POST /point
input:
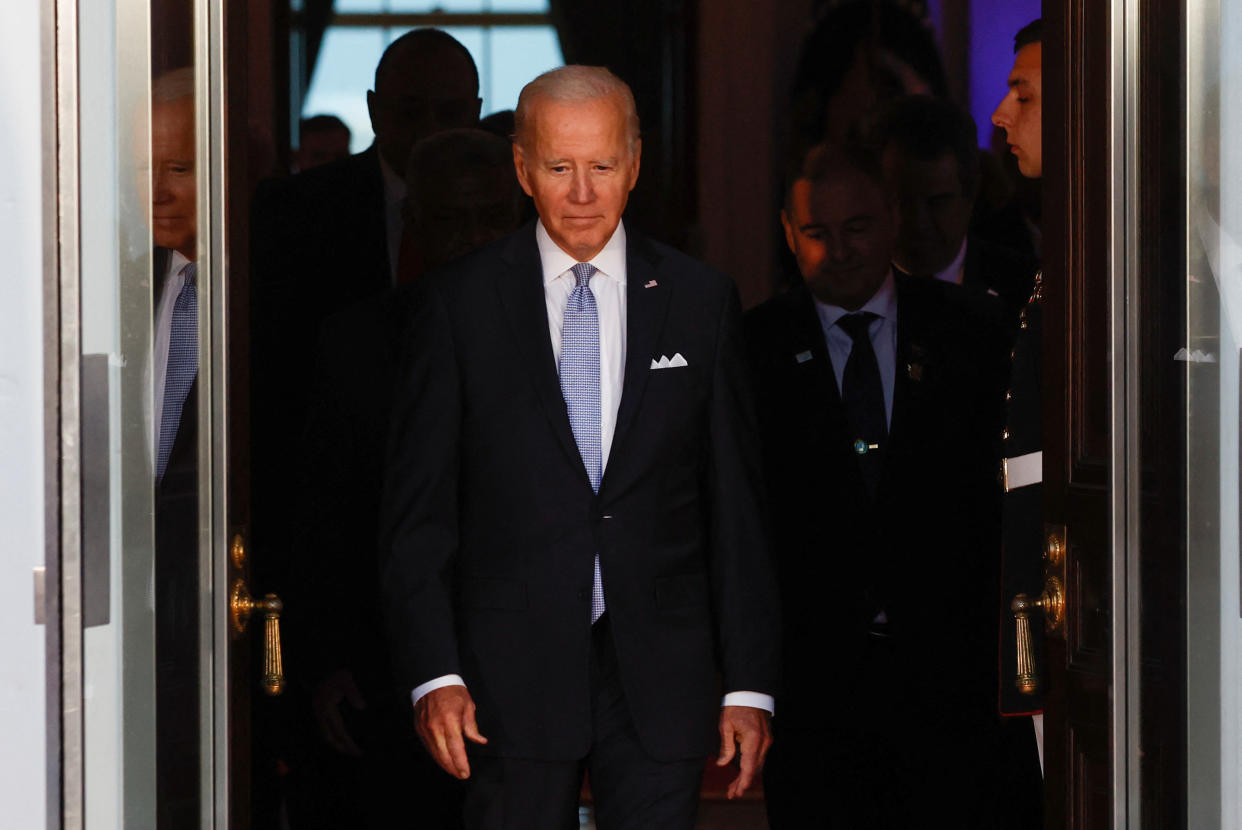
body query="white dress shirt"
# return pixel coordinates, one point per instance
(955, 271)
(395, 190)
(174, 280)
(883, 332)
(608, 285)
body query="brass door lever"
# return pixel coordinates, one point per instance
(1051, 601)
(241, 605)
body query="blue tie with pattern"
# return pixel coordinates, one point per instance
(182, 365)
(579, 370)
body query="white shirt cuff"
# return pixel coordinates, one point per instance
(755, 700)
(437, 683)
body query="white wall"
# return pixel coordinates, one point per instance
(23, 783)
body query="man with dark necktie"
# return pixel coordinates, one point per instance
(878, 403)
(574, 561)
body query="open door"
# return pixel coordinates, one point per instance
(1114, 503)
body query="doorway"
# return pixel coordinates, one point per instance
(1140, 465)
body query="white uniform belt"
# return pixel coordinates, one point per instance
(1023, 470)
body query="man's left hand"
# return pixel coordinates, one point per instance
(747, 729)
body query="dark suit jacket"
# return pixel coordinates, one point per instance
(925, 550)
(989, 266)
(342, 457)
(176, 606)
(491, 526)
(318, 246)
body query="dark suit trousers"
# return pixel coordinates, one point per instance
(894, 764)
(631, 790)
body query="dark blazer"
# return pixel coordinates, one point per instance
(926, 549)
(342, 458)
(176, 605)
(993, 267)
(318, 246)
(491, 526)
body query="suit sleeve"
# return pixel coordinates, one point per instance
(418, 538)
(745, 599)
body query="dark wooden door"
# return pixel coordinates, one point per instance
(1113, 225)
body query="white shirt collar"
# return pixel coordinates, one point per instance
(609, 262)
(953, 273)
(395, 187)
(176, 263)
(883, 304)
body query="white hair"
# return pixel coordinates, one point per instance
(576, 83)
(173, 85)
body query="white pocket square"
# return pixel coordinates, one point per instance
(666, 362)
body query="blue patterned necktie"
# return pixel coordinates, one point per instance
(182, 365)
(579, 370)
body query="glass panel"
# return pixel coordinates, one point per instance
(518, 54)
(1211, 354)
(142, 594)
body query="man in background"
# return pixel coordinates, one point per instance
(325, 239)
(322, 139)
(931, 162)
(879, 405)
(367, 769)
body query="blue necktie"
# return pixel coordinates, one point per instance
(579, 369)
(182, 365)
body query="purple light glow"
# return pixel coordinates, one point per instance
(993, 23)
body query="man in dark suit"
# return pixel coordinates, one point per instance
(368, 769)
(326, 239)
(574, 556)
(931, 162)
(879, 405)
(174, 230)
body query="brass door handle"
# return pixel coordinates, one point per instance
(1051, 601)
(241, 605)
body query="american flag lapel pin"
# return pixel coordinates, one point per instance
(651, 284)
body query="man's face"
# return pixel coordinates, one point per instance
(321, 147)
(452, 214)
(934, 211)
(579, 168)
(842, 232)
(1019, 113)
(422, 92)
(174, 214)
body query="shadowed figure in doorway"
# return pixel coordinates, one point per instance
(174, 376)
(362, 765)
(879, 406)
(931, 159)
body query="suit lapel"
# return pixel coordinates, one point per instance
(646, 311)
(908, 383)
(521, 293)
(809, 352)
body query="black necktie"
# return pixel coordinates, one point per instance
(863, 394)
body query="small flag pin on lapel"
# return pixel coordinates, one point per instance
(651, 284)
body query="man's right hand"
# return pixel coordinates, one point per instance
(443, 716)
